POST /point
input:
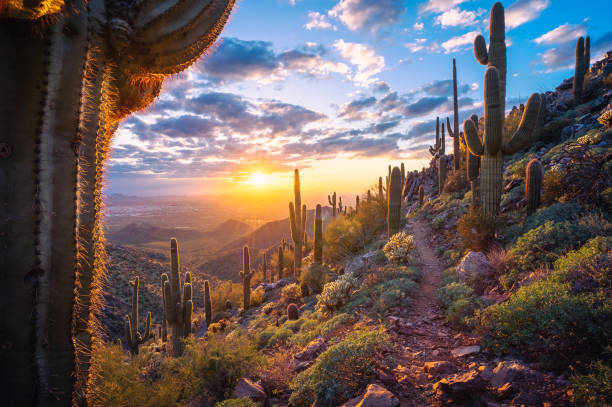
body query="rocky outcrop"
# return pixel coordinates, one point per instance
(250, 389)
(375, 396)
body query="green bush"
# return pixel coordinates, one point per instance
(291, 293)
(544, 321)
(341, 371)
(314, 276)
(458, 300)
(594, 389)
(589, 267)
(452, 292)
(557, 212)
(399, 248)
(393, 293)
(243, 402)
(314, 326)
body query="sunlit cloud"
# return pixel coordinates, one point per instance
(369, 15)
(366, 60)
(524, 11)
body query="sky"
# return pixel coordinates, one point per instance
(337, 88)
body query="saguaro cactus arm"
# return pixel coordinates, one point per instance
(522, 135)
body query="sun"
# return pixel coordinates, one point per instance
(258, 178)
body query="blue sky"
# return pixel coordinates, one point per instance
(338, 88)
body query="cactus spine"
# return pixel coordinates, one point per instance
(395, 202)
(292, 312)
(297, 217)
(533, 185)
(207, 303)
(492, 150)
(473, 168)
(178, 301)
(132, 336)
(246, 274)
(455, 132)
(580, 69)
(332, 202)
(442, 173)
(496, 54)
(421, 195)
(318, 236)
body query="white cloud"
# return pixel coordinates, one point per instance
(318, 21)
(370, 15)
(417, 45)
(562, 34)
(523, 11)
(456, 17)
(438, 6)
(460, 42)
(364, 58)
(418, 26)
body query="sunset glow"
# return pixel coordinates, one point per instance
(258, 179)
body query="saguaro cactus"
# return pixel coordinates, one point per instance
(492, 149)
(281, 262)
(132, 336)
(587, 55)
(207, 303)
(403, 169)
(533, 185)
(341, 208)
(70, 71)
(421, 195)
(495, 56)
(455, 132)
(442, 173)
(394, 210)
(264, 263)
(332, 202)
(318, 236)
(438, 148)
(580, 68)
(178, 301)
(297, 217)
(381, 197)
(246, 274)
(473, 168)
(357, 203)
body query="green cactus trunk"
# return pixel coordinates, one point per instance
(587, 55)
(207, 303)
(579, 71)
(442, 173)
(533, 185)
(455, 132)
(133, 338)
(403, 169)
(381, 197)
(394, 211)
(332, 202)
(318, 236)
(421, 195)
(281, 265)
(297, 218)
(246, 274)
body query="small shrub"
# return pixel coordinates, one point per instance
(439, 221)
(452, 292)
(557, 212)
(257, 296)
(551, 131)
(314, 277)
(552, 186)
(606, 119)
(544, 321)
(341, 371)
(399, 248)
(594, 389)
(243, 402)
(336, 293)
(476, 229)
(393, 293)
(291, 293)
(456, 182)
(589, 267)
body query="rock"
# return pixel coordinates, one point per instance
(375, 396)
(439, 368)
(462, 386)
(311, 350)
(385, 377)
(465, 351)
(250, 389)
(301, 366)
(505, 391)
(472, 266)
(526, 399)
(513, 371)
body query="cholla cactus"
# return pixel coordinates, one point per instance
(394, 210)
(292, 312)
(132, 336)
(399, 248)
(606, 119)
(533, 185)
(245, 275)
(336, 293)
(178, 301)
(492, 149)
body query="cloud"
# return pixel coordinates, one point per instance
(438, 6)
(562, 34)
(364, 58)
(456, 17)
(443, 88)
(381, 87)
(420, 44)
(459, 43)
(523, 11)
(355, 110)
(418, 26)
(318, 21)
(369, 15)
(563, 57)
(424, 105)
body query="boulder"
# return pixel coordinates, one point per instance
(311, 350)
(439, 368)
(462, 386)
(465, 351)
(250, 389)
(472, 266)
(375, 396)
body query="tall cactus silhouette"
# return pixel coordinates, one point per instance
(403, 169)
(438, 148)
(207, 303)
(245, 275)
(495, 56)
(473, 168)
(281, 262)
(583, 58)
(492, 148)
(297, 218)
(341, 208)
(318, 236)
(70, 71)
(132, 336)
(332, 201)
(421, 195)
(394, 210)
(587, 55)
(442, 173)
(381, 197)
(455, 132)
(533, 185)
(178, 301)
(264, 263)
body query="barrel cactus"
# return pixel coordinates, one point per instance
(292, 312)
(245, 275)
(395, 202)
(297, 218)
(318, 236)
(533, 185)
(71, 70)
(492, 149)
(132, 336)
